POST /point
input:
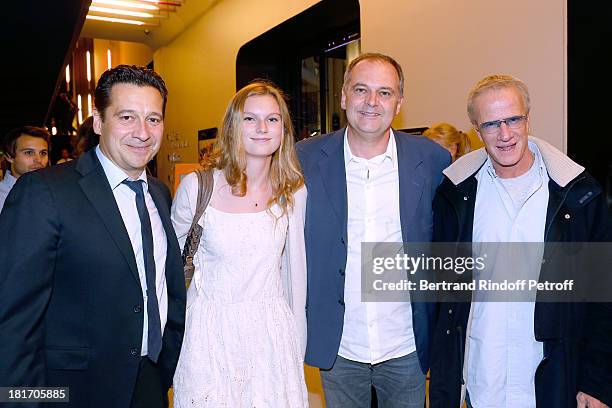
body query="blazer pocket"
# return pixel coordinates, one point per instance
(67, 358)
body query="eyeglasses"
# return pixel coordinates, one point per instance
(493, 127)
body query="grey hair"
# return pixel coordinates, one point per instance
(493, 82)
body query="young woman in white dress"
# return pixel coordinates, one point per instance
(246, 325)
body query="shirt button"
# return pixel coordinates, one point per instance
(567, 216)
(465, 198)
(137, 309)
(341, 302)
(341, 272)
(448, 332)
(134, 351)
(450, 311)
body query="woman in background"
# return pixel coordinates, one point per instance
(246, 324)
(447, 136)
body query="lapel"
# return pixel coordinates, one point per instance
(333, 176)
(411, 182)
(97, 190)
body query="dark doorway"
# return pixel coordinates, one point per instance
(589, 89)
(306, 56)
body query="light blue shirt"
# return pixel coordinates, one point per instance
(502, 353)
(6, 185)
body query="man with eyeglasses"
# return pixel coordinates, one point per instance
(519, 189)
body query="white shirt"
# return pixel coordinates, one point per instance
(126, 201)
(503, 354)
(6, 185)
(374, 331)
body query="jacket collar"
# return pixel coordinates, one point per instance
(561, 169)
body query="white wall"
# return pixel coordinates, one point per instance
(446, 46)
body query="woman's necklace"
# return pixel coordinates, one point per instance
(258, 199)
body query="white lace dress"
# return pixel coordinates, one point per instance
(241, 346)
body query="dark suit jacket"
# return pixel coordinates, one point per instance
(420, 165)
(71, 305)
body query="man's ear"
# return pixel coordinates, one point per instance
(8, 158)
(399, 105)
(343, 100)
(477, 132)
(97, 121)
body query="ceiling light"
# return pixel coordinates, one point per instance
(122, 3)
(88, 64)
(116, 20)
(120, 12)
(80, 111)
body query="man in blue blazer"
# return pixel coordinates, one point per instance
(367, 183)
(91, 281)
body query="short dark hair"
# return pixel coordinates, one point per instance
(375, 56)
(126, 74)
(10, 139)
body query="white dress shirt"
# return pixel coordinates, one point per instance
(126, 201)
(373, 331)
(6, 185)
(503, 354)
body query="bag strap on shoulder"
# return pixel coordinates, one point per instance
(205, 189)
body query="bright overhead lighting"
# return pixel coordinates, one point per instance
(116, 20)
(108, 58)
(122, 3)
(67, 74)
(80, 111)
(88, 63)
(121, 12)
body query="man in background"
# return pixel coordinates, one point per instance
(25, 149)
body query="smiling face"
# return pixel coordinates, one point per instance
(132, 129)
(262, 126)
(508, 148)
(31, 153)
(371, 98)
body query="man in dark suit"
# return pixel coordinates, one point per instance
(367, 183)
(91, 284)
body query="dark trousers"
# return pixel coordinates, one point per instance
(149, 391)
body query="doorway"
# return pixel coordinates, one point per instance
(306, 57)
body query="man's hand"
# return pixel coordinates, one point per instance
(586, 401)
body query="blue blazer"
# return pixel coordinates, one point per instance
(420, 165)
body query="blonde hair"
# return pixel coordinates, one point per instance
(228, 153)
(447, 135)
(494, 82)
